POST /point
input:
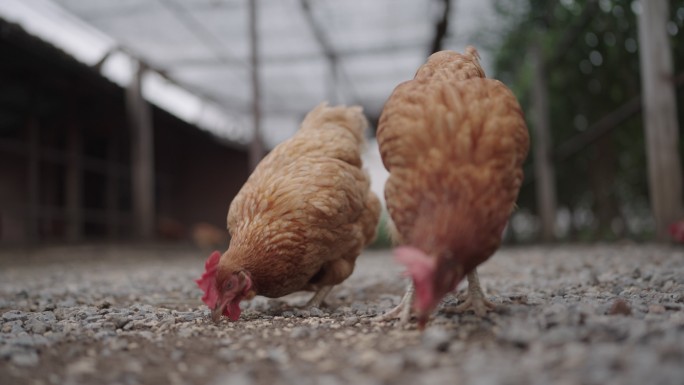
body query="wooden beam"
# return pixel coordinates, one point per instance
(182, 11)
(59, 156)
(543, 164)
(142, 157)
(294, 59)
(112, 194)
(33, 180)
(100, 63)
(334, 96)
(597, 130)
(328, 52)
(660, 115)
(604, 125)
(74, 184)
(256, 148)
(441, 28)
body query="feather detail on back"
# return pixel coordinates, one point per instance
(454, 143)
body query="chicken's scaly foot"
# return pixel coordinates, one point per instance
(318, 298)
(401, 311)
(475, 300)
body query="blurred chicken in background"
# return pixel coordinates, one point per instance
(170, 229)
(208, 237)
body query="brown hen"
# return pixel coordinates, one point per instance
(301, 219)
(454, 143)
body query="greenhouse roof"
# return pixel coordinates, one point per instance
(350, 52)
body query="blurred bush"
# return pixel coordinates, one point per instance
(383, 240)
(591, 51)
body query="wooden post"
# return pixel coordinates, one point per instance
(142, 157)
(660, 115)
(256, 149)
(73, 184)
(543, 165)
(33, 180)
(112, 197)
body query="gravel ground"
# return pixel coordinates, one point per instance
(606, 314)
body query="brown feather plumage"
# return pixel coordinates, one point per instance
(454, 143)
(307, 211)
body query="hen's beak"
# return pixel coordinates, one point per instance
(225, 306)
(217, 312)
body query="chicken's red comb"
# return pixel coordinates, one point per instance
(208, 280)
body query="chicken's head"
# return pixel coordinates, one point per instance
(431, 280)
(224, 288)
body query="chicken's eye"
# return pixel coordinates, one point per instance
(229, 285)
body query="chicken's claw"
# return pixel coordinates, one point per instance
(478, 304)
(475, 299)
(401, 311)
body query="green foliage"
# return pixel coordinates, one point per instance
(383, 240)
(591, 76)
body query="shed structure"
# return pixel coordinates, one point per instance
(65, 154)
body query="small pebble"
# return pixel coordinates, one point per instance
(14, 315)
(36, 326)
(299, 332)
(177, 355)
(656, 309)
(278, 355)
(350, 321)
(25, 359)
(436, 338)
(620, 307)
(316, 312)
(227, 355)
(12, 327)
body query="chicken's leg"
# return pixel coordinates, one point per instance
(320, 295)
(401, 311)
(475, 300)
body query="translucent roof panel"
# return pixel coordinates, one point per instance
(351, 51)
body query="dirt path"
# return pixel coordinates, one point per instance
(131, 315)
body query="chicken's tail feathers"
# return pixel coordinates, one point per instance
(451, 65)
(351, 118)
(472, 52)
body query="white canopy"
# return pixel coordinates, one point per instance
(202, 49)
